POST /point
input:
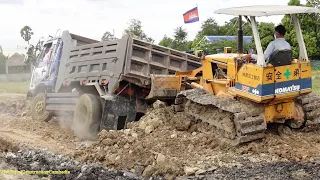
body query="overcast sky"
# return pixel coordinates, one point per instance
(91, 18)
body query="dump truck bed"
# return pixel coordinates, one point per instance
(127, 59)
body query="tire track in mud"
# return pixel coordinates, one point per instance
(27, 139)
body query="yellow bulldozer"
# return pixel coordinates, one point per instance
(238, 97)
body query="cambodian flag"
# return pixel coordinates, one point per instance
(191, 16)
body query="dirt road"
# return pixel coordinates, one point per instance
(165, 144)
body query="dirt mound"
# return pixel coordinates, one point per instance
(156, 145)
(17, 106)
(163, 142)
(300, 145)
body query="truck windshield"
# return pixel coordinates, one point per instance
(45, 55)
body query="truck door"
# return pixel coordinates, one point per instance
(40, 73)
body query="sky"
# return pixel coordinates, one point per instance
(91, 18)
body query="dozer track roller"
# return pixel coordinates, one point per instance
(311, 106)
(233, 121)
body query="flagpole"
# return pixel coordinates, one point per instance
(199, 25)
(198, 15)
(189, 16)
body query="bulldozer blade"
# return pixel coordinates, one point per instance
(164, 86)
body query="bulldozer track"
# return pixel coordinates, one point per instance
(311, 106)
(233, 121)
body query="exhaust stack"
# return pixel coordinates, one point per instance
(240, 36)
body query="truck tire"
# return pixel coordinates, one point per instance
(38, 109)
(87, 117)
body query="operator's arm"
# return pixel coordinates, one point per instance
(268, 51)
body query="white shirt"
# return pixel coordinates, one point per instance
(277, 44)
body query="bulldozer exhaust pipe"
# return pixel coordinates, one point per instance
(240, 36)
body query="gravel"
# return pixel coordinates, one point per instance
(37, 160)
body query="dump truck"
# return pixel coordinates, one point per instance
(104, 85)
(237, 95)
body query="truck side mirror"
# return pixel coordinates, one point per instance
(199, 53)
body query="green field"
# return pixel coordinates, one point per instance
(316, 85)
(14, 87)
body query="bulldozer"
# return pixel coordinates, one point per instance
(238, 97)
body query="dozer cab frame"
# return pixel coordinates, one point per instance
(238, 98)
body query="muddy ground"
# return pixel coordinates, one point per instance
(162, 144)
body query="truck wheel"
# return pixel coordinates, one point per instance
(87, 117)
(38, 108)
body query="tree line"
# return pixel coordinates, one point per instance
(309, 25)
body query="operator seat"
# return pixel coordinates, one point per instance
(280, 58)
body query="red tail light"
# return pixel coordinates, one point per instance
(66, 83)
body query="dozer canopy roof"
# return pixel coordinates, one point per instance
(266, 10)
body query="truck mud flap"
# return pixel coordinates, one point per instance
(118, 113)
(164, 86)
(61, 101)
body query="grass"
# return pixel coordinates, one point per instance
(14, 87)
(316, 72)
(316, 86)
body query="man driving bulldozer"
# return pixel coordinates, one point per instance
(278, 44)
